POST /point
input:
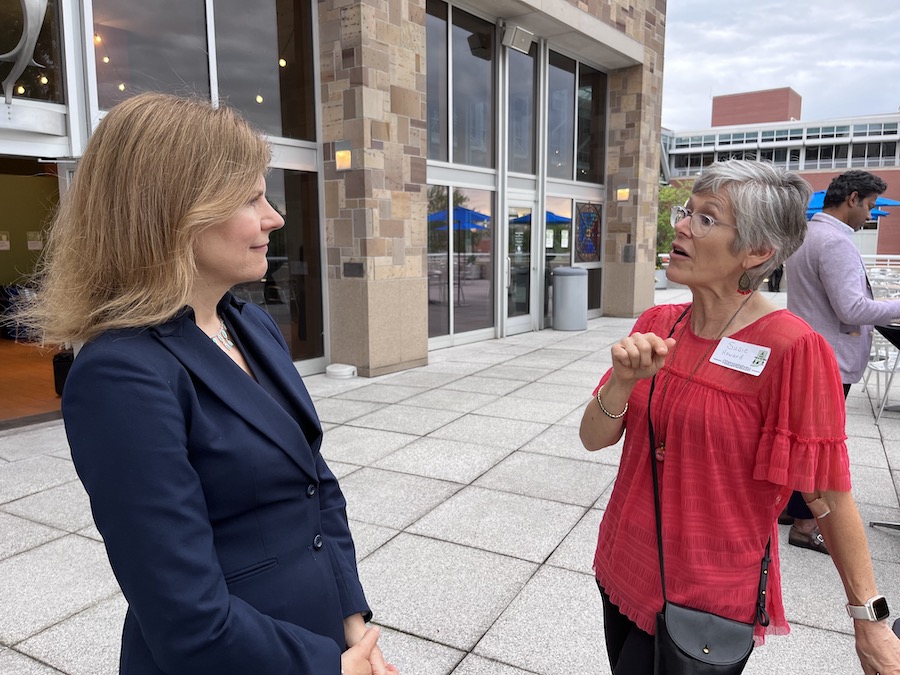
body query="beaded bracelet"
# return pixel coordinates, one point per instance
(609, 414)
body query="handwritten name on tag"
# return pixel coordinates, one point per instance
(741, 356)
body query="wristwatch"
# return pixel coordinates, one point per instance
(875, 609)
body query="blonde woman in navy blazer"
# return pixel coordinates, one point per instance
(190, 428)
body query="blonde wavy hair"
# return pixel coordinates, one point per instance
(158, 171)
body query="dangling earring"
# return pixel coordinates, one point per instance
(744, 284)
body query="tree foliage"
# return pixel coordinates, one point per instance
(669, 196)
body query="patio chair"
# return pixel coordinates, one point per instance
(883, 363)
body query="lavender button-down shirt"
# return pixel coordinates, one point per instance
(828, 288)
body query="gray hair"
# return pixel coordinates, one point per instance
(769, 206)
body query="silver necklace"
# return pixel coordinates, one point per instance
(221, 336)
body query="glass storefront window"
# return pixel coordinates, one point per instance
(473, 90)
(521, 109)
(156, 46)
(265, 65)
(436, 59)
(38, 84)
(560, 116)
(591, 125)
(291, 291)
(460, 261)
(557, 243)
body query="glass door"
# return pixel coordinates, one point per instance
(519, 264)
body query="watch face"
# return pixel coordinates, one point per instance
(880, 607)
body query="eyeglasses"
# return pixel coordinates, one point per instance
(701, 224)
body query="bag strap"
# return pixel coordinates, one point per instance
(762, 616)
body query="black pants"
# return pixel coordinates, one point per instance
(797, 507)
(630, 649)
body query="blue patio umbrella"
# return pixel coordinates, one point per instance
(463, 219)
(551, 219)
(817, 201)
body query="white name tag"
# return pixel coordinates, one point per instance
(741, 356)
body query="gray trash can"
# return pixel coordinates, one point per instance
(570, 292)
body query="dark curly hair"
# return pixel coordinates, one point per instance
(861, 182)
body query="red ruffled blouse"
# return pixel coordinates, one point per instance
(736, 446)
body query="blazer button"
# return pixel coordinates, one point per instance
(318, 542)
(311, 491)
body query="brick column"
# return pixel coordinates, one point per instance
(373, 97)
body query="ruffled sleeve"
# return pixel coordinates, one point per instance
(803, 441)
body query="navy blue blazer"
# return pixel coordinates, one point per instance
(224, 527)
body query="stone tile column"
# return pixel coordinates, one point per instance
(635, 111)
(373, 98)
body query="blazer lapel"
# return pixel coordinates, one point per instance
(234, 388)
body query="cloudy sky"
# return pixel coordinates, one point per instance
(843, 58)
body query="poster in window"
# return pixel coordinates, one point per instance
(587, 233)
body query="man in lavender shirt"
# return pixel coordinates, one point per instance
(828, 287)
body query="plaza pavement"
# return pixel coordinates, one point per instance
(475, 512)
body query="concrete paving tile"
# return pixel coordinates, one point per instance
(440, 591)
(514, 525)
(806, 651)
(884, 543)
(449, 399)
(28, 476)
(32, 441)
(485, 385)
(392, 499)
(520, 373)
(563, 441)
(85, 644)
(873, 486)
(357, 445)
(14, 663)
(812, 590)
(476, 665)
(408, 419)
(443, 459)
(321, 385)
(505, 433)
(18, 535)
(583, 379)
(341, 469)
(342, 410)
(553, 478)
(543, 391)
(417, 656)
(90, 532)
(368, 537)
(527, 409)
(866, 452)
(381, 393)
(419, 378)
(544, 358)
(460, 368)
(65, 507)
(44, 585)
(555, 625)
(573, 419)
(861, 426)
(576, 551)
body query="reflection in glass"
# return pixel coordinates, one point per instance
(519, 291)
(473, 90)
(521, 109)
(557, 243)
(436, 57)
(37, 84)
(291, 291)
(149, 46)
(560, 116)
(460, 261)
(265, 64)
(591, 124)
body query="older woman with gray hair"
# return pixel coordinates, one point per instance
(737, 403)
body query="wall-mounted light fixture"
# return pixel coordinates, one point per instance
(343, 155)
(623, 192)
(517, 38)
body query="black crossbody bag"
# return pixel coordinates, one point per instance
(690, 641)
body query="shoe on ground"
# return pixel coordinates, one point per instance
(812, 540)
